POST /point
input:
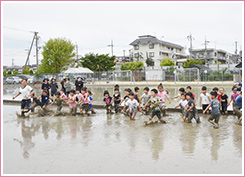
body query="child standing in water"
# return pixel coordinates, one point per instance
(44, 99)
(84, 101)
(107, 100)
(223, 101)
(145, 98)
(63, 95)
(218, 95)
(72, 102)
(137, 94)
(58, 101)
(204, 99)
(181, 91)
(133, 105)
(188, 90)
(155, 106)
(238, 107)
(162, 94)
(116, 99)
(182, 104)
(190, 108)
(233, 99)
(214, 104)
(90, 101)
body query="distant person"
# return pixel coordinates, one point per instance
(26, 91)
(63, 84)
(233, 99)
(191, 108)
(45, 85)
(181, 91)
(215, 114)
(238, 107)
(137, 94)
(67, 86)
(189, 89)
(54, 87)
(144, 100)
(107, 102)
(182, 104)
(218, 95)
(162, 94)
(79, 83)
(116, 98)
(44, 99)
(72, 102)
(224, 100)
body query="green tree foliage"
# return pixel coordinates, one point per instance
(190, 62)
(138, 65)
(167, 62)
(27, 70)
(149, 62)
(4, 72)
(9, 73)
(57, 53)
(15, 72)
(31, 72)
(96, 62)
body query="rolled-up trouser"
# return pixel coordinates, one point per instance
(190, 116)
(214, 117)
(238, 112)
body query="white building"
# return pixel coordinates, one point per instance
(148, 46)
(213, 56)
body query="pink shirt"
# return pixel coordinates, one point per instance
(72, 104)
(162, 95)
(84, 98)
(63, 96)
(233, 96)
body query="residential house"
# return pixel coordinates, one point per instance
(148, 46)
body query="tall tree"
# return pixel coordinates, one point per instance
(138, 65)
(57, 53)
(190, 62)
(167, 62)
(96, 62)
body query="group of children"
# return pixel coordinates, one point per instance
(217, 100)
(151, 102)
(76, 99)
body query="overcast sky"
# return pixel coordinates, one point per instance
(92, 25)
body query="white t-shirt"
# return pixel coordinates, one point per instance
(132, 105)
(183, 103)
(205, 97)
(145, 98)
(25, 91)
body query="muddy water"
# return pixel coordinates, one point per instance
(113, 144)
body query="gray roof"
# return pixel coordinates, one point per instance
(200, 67)
(153, 40)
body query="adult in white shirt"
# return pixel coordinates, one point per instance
(26, 91)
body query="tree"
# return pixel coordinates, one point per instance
(96, 62)
(9, 73)
(57, 53)
(4, 72)
(190, 62)
(167, 62)
(31, 72)
(27, 70)
(15, 72)
(138, 65)
(149, 62)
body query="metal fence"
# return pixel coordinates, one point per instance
(170, 75)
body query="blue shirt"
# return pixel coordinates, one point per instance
(45, 99)
(239, 102)
(189, 103)
(215, 106)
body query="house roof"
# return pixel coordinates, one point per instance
(152, 39)
(200, 67)
(209, 49)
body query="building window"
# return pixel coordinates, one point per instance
(151, 54)
(215, 54)
(201, 55)
(172, 49)
(168, 48)
(136, 47)
(151, 46)
(160, 53)
(136, 55)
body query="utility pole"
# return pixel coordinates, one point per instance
(111, 47)
(37, 38)
(12, 62)
(124, 54)
(236, 51)
(190, 38)
(29, 52)
(206, 43)
(77, 51)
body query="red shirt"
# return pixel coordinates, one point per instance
(218, 97)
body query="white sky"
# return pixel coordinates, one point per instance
(92, 25)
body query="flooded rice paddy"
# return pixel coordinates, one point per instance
(114, 144)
